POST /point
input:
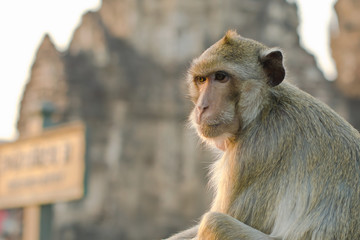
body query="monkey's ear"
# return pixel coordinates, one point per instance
(272, 62)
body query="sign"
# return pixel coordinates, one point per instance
(43, 169)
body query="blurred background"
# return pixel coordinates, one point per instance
(121, 71)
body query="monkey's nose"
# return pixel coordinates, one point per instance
(200, 110)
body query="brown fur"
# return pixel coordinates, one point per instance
(290, 167)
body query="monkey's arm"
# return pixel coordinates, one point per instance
(217, 226)
(185, 235)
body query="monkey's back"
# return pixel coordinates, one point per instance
(306, 152)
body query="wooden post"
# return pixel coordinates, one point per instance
(37, 220)
(31, 222)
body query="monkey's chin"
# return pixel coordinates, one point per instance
(210, 131)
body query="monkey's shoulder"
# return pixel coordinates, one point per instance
(291, 103)
(294, 118)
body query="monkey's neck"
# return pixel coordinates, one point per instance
(224, 179)
(223, 142)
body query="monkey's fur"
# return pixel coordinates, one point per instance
(290, 167)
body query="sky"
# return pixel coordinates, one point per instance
(23, 24)
(314, 31)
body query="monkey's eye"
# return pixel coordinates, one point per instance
(200, 79)
(221, 76)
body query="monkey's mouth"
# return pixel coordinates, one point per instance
(214, 125)
(209, 125)
(210, 130)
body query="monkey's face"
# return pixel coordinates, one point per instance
(229, 84)
(215, 105)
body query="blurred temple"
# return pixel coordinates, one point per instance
(345, 46)
(123, 75)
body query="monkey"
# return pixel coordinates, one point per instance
(290, 165)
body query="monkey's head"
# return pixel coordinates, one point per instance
(229, 84)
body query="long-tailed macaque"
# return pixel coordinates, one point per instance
(290, 167)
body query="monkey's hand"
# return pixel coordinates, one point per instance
(189, 234)
(219, 226)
